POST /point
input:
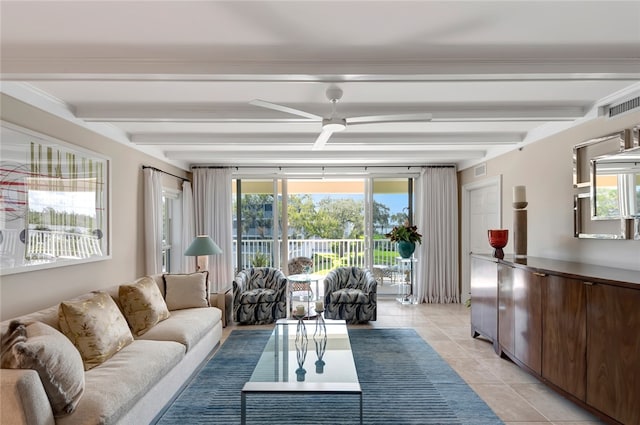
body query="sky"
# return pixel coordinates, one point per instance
(395, 202)
(82, 203)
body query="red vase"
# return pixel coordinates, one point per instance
(498, 239)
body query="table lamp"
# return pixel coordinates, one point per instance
(201, 247)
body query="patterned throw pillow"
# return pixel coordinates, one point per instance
(186, 290)
(15, 333)
(59, 365)
(95, 326)
(142, 305)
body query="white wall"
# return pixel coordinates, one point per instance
(546, 169)
(25, 292)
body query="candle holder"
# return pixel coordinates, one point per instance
(301, 348)
(320, 339)
(321, 326)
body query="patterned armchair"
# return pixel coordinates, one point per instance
(259, 296)
(350, 293)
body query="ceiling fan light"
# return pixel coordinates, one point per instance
(334, 124)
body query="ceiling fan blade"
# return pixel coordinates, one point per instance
(282, 108)
(389, 118)
(322, 140)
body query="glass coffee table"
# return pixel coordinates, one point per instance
(302, 357)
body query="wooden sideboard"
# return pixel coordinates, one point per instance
(574, 326)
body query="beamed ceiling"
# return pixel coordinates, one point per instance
(177, 79)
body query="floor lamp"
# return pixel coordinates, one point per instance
(201, 247)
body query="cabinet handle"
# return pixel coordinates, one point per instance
(588, 283)
(539, 274)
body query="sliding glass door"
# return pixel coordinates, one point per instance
(326, 222)
(335, 222)
(256, 223)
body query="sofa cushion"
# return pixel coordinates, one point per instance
(186, 326)
(259, 295)
(53, 356)
(187, 290)
(142, 305)
(349, 296)
(95, 325)
(115, 386)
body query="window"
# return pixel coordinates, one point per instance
(323, 219)
(170, 204)
(255, 224)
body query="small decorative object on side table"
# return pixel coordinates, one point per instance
(406, 236)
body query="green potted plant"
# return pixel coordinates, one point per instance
(406, 236)
(260, 259)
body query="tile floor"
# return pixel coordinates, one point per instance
(514, 395)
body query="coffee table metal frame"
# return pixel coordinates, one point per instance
(299, 387)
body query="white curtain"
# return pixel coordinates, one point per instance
(213, 211)
(437, 219)
(152, 221)
(188, 233)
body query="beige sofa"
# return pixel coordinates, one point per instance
(133, 386)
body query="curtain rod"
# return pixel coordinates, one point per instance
(365, 167)
(165, 172)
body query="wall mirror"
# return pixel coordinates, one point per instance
(606, 187)
(616, 185)
(54, 202)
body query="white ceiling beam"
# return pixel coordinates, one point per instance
(221, 112)
(289, 141)
(15, 67)
(324, 157)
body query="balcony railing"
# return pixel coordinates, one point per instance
(46, 245)
(326, 253)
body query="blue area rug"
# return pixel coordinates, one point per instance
(403, 380)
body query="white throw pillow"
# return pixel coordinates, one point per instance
(187, 290)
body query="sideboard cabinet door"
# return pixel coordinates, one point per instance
(527, 298)
(564, 330)
(506, 310)
(613, 352)
(484, 299)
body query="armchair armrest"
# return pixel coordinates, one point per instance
(370, 283)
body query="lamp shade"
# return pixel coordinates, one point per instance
(202, 245)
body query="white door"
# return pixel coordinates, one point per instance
(481, 211)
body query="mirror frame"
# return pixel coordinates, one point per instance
(593, 227)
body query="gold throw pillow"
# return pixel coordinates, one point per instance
(142, 305)
(95, 325)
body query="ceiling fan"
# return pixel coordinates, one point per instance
(335, 122)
